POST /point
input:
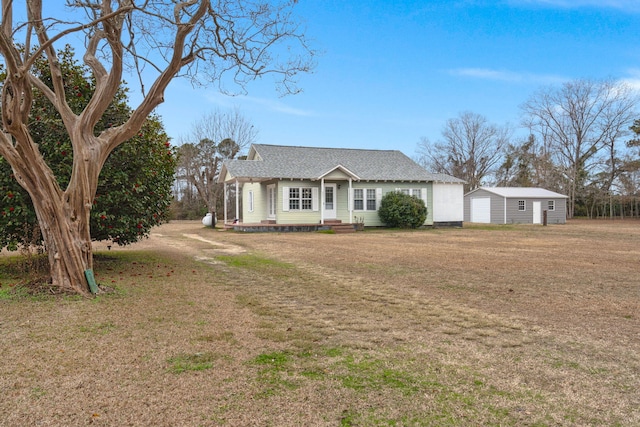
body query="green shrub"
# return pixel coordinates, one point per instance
(402, 210)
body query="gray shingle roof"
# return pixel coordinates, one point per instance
(286, 162)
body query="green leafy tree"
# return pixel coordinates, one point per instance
(401, 210)
(227, 43)
(134, 188)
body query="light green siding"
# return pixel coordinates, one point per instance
(259, 203)
(299, 216)
(371, 218)
(345, 212)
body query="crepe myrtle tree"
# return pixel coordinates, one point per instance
(134, 188)
(228, 42)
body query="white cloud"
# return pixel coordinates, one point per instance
(631, 6)
(264, 103)
(632, 80)
(507, 76)
(278, 106)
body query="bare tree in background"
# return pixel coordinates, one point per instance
(580, 120)
(471, 149)
(228, 43)
(222, 136)
(528, 164)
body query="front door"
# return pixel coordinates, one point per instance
(329, 202)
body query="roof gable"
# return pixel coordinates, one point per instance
(340, 171)
(286, 162)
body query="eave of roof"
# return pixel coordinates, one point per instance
(522, 192)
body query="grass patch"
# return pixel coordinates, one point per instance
(275, 375)
(22, 275)
(252, 262)
(191, 362)
(491, 227)
(326, 232)
(371, 374)
(276, 361)
(98, 328)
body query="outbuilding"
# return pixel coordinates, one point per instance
(514, 205)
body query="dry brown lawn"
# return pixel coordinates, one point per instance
(509, 325)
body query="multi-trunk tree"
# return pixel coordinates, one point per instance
(134, 188)
(230, 42)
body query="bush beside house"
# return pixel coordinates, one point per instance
(400, 210)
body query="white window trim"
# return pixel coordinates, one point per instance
(378, 195)
(551, 205)
(251, 201)
(314, 199)
(410, 191)
(524, 206)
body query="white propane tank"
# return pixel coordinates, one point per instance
(207, 221)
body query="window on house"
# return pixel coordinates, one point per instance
(521, 205)
(250, 201)
(552, 205)
(358, 199)
(294, 198)
(371, 199)
(417, 192)
(306, 199)
(300, 198)
(365, 199)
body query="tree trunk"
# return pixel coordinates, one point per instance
(68, 245)
(63, 216)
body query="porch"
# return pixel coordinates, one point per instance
(269, 226)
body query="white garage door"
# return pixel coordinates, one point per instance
(481, 210)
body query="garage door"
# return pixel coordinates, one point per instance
(481, 210)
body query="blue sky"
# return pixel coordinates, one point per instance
(392, 72)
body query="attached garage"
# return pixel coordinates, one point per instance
(514, 205)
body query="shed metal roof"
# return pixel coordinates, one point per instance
(293, 162)
(522, 192)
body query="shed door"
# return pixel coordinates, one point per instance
(481, 210)
(537, 213)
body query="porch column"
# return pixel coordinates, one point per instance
(322, 200)
(350, 201)
(224, 192)
(237, 201)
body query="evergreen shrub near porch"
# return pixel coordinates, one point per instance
(401, 210)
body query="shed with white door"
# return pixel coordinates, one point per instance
(514, 205)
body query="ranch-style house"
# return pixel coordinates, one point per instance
(311, 185)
